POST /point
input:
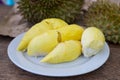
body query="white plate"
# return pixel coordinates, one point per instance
(79, 66)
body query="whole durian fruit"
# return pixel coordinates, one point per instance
(36, 10)
(106, 16)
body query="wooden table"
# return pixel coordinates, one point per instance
(8, 71)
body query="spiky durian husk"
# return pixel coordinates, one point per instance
(36, 10)
(106, 16)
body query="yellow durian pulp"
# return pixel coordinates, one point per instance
(71, 32)
(56, 22)
(43, 44)
(33, 32)
(64, 52)
(92, 41)
(38, 29)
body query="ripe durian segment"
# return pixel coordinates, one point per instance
(71, 32)
(43, 44)
(105, 16)
(36, 10)
(92, 41)
(55, 22)
(39, 28)
(36, 30)
(64, 52)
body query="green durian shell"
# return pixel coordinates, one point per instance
(36, 10)
(106, 16)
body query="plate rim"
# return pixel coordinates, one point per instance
(50, 75)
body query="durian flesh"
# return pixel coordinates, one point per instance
(55, 22)
(64, 52)
(71, 32)
(38, 29)
(43, 44)
(31, 33)
(92, 41)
